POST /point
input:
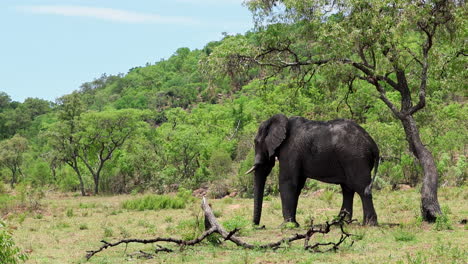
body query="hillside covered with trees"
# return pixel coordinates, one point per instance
(190, 120)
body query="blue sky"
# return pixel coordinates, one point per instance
(48, 48)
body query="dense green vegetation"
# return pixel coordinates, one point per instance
(188, 122)
(178, 126)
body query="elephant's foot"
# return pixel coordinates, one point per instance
(259, 227)
(370, 220)
(348, 216)
(290, 223)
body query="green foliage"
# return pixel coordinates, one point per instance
(245, 181)
(189, 229)
(239, 222)
(191, 118)
(443, 221)
(108, 232)
(288, 225)
(39, 173)
(11, 156)
(185, 194)
(30, 197)
(67, 180)
(220, 164)
(69, 212)
(9, 252)
(124, 232)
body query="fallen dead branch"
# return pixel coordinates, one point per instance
(212, 226)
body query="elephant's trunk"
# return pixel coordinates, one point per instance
(259, 186)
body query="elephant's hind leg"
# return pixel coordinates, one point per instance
(370, 216)
(347, 206)
(358, 174)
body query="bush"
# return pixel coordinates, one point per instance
(190, 229)
(40, 173)
(9, 252)
(443, 221)
(30, 197)
(238, 222)
(108, 232)
(220, 164)
(69, 212)
(244, 183)
(158, 202)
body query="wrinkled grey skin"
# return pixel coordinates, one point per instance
(337, 152)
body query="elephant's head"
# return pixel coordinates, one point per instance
(270, 135)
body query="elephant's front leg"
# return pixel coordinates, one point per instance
(290, 186)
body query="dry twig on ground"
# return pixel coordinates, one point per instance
(212, 226)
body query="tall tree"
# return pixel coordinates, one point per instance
(390, 45)
(63, 136)
(101, 133)
(11, 155)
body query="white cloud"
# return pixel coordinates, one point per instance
(108, 14)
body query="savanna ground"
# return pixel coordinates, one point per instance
(68, 225)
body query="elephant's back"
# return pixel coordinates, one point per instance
(352, 142)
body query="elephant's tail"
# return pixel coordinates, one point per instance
(368, 190)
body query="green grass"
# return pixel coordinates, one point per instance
(57, 238)
(6, 201)
(155, 202)
(403, 235)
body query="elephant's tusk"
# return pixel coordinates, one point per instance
(251, 169)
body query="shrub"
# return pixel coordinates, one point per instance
(288, 225)
(220, 164)
(158, 202)
(9, 252)
(443, 221)
(244, 183)
(69, 212)
(29, 197)
(108, 232)
(218, 190)
(238, 222)
(189, 229)
(124, 232)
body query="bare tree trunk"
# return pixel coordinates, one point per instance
(74, 166)
(13, 178)
(96, 183)
(430, 207)
(82, 189)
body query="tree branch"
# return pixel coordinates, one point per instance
(212, 225)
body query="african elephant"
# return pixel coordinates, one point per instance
(337, 152)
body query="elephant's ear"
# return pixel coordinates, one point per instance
(276, 133)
